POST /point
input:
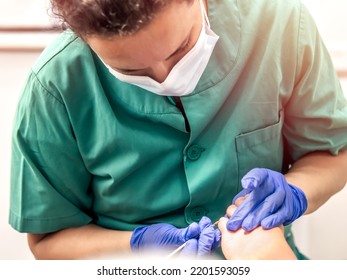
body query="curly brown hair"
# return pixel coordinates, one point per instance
(106, 17)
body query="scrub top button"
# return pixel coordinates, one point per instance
(194, 152)
(197, 213)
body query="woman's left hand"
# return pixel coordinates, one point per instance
(270, 201)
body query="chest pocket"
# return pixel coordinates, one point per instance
(260, 148)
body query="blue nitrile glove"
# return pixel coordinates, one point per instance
(271, 201)
(190, 250)
(161, 236)
(209, 238)
(206, 244)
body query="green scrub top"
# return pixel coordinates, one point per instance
(88, 148)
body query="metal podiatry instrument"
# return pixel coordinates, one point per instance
(180, 248)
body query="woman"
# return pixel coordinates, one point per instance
(145, 116)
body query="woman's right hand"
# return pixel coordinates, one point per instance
(203, 238)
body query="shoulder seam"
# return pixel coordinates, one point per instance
(43, 65)
(46, 90)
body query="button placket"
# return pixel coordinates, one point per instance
(197, 213)
(194, 152)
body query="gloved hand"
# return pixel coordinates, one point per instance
(206, 244)
(159, 236)
(271, 201)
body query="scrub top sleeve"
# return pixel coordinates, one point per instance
(316, 113)
(49, 182)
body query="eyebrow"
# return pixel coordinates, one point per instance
(171, 55)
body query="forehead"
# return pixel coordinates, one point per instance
(156, 41)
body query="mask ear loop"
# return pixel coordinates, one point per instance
(204, 12)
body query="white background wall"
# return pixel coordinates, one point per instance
(321, 235)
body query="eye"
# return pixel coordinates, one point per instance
(185, 47)
(129, 71)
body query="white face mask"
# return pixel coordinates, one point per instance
(185, 75)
